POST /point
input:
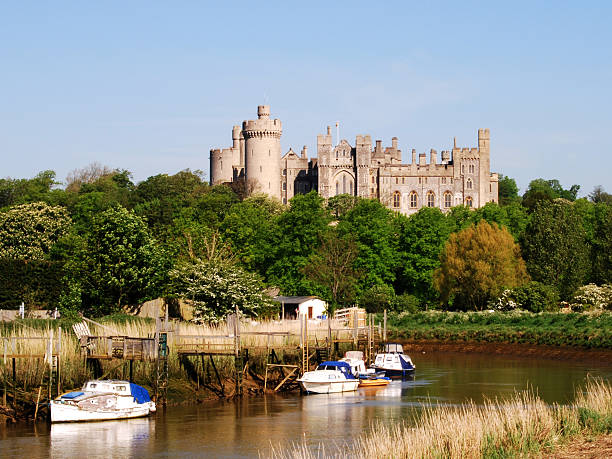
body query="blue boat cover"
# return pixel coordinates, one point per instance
(71, 395)
(140, 394)
(335, 363)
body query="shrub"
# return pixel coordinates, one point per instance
(536, 297)
(406, 303)
(592, 296)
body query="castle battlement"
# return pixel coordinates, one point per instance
(456, 176)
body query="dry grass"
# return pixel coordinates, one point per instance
(521, 426)
(30, 372)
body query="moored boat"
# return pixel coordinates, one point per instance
(329, 377)
(393, 361)
(374, 381)
(102, 400)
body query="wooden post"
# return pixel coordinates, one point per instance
(282, 311)
(50, 355)
(355, 327)
(385, 326)
(306, 342)
(59, 354)
(131, 370)
(329, 336)
(237, 359)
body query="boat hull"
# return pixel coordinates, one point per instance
(62, 412)
(329, 387)
(396, 373)
(378, 382)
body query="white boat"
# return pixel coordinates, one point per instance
(357, 364)
(393, 361)
(102, 400)
(329, 377)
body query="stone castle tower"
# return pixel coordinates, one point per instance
(460, 176)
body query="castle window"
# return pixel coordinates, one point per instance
(463, 169)
(351, 187)
(337, 188)
(372, 179)
(344, 184)
(471, 168)
(403, 180)
(425, 180)
(468, 201)
(284, 186)
(468, 184)
(284, 171)
(451, 180)
(396, 199)
(413, 200)
(490, 188)
(443, 180)
(419, 180)
(396, 180)
(431, 199)
(284, 200)
(447, 199)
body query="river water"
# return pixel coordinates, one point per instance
(249, 427)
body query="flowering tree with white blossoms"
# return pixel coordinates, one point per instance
(216, 287)
(28, 231)
(592, 296)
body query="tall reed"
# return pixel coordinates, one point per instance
(519, 426)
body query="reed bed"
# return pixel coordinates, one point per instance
(521, 426)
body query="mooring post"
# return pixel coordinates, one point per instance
(355, 327)
(385, 326)
(329, 336)
(237, 359)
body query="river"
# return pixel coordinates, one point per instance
(249, 427)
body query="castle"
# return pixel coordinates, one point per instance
(459, 176)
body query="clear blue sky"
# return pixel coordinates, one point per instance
(151, 86)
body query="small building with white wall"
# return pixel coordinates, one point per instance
(294, 306)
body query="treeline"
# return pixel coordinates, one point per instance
(101, 242)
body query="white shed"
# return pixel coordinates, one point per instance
(309, 306)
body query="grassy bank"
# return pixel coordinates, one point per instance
(588, 330)
(521, 426)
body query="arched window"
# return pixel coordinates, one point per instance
(468, 201)
(344, 184)
(337, 188)
(413, 200)
(448, 199)
(468, 184)
(431, 199)
(285, 186)
(396, 199)
(350, 187)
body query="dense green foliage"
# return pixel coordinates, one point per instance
(103, 242)
(551, 328)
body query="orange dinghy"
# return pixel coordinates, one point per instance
(374, 382)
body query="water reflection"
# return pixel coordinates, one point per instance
(248, 427)
(126, 438)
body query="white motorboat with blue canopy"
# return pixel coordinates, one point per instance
(329, 377)
(102, 400)
(393, 361)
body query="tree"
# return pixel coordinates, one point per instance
(28, 231)
(513, 216)
(421, 239)
(295, 238)
(118, 263)
(377, 298)
(216, 287)
(555, 248)
(88, 174)
(250, 227)
(22, 191)
(341, 204)
(547, 190)
(374, 229)
(507, 190)
(331, 266)
(476, 264)
(600, 196)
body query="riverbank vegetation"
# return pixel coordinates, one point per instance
(521, 426)
(587, 330)
(100, 242)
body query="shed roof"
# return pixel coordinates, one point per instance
(294, 299)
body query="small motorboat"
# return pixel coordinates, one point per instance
(329, 377)
(374, 381)
(393, 361)
(357, 364)
(102, 400)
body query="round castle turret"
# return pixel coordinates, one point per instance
(262, 152)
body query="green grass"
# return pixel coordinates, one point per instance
(588, 330)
